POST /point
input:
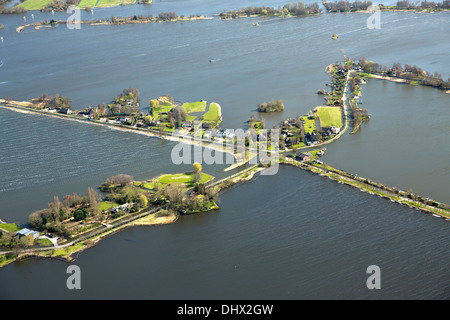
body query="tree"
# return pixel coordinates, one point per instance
(26, 241)
(92, 196)
(197, 167)
(80, 214)
(148, 119)
(143, 200)
(154, 103)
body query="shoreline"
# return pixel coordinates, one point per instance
(41, 24)
(358, 183)
(69, 251)
(66, 252)
(22, 108)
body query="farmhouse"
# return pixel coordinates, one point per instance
(25, 232)
(304, 156)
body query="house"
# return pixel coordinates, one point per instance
(123, 207)
(334, 129)
(65, 111)
(25, 232)
(206, 125)
(304, 156)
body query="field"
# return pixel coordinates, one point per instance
(182, 178)
(87, 3)
(310, 124)
(35, 4)
(10, 227)
(125, 2)
(214, 113)
(329, 116)
(162, 108)
(199, 106)
(107, 3)
(106, 205)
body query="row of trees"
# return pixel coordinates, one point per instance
(295, 9)
(55, 102)
(423, 5)
(345, 6)
(408, 72)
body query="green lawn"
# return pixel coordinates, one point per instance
(34, 4)
(214, 113)
(199, 106)
(106, 205)
(162, 108)
(87, 3)
(310, 124)
(107, 3)
(145, 184)
(329, 116)
(10, 227)
(182, 178)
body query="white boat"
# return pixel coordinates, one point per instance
(435, 215)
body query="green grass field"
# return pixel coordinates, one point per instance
(87, 3)
(214, 113)
(10, 227)
(310, 124)
(125, 2)
(162, 108)
(107, 3)
(31, 5)
(182, 178)
(199, 106)
(329, 116)
(106, 205)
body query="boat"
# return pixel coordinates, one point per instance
(435, 215)
(334, 36)
(256, 24)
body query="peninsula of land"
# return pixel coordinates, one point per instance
(76, 223)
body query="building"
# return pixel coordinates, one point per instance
(25, 232)
(304, 156)
(125, 207)
(335, 130)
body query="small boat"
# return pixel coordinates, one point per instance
(435, 215)
(256, 24)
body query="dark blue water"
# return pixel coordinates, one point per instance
(289, 236)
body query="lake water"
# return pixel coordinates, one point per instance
(293, 235)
